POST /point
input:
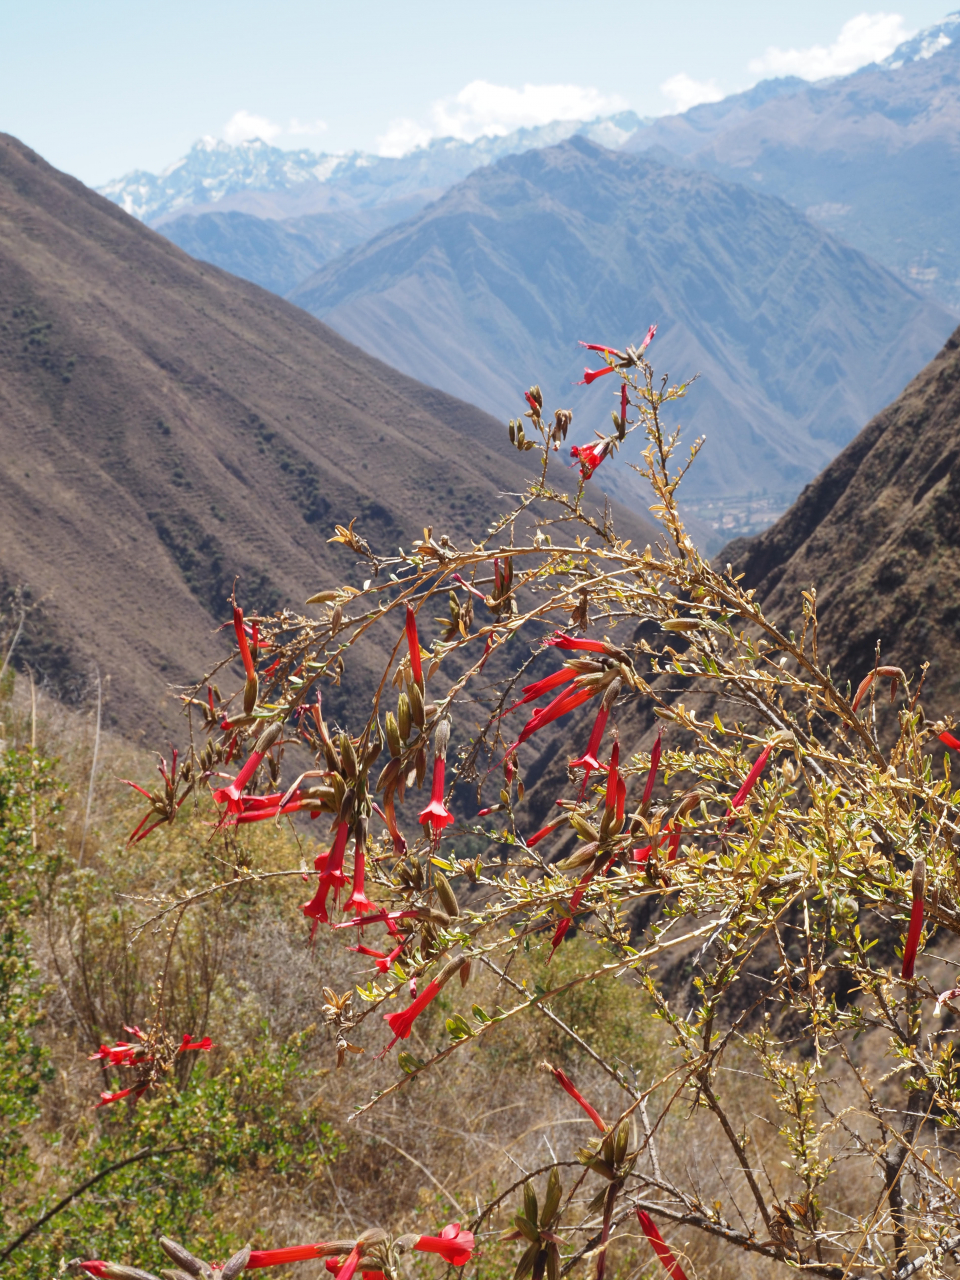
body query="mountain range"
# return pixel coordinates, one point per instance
(798, 338)
(166, 429)
(873, 157)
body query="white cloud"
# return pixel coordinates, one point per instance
(308, 128)
(242, 126)
(683, 92)
(483, 109)
(868, 37)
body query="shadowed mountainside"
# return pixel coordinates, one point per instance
(878, 534)
(165, 428)
(799, 339)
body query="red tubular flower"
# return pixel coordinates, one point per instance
(204, 1045)
(566, 1083)
(610, 351)
(385, 917)
(559, 640)
(750, 781)
(543, 833)
(120, 1055)
(641, 855)
(532, 691)
(242, 641)
(950, 741)
(589, 456)
(230, 795)
(358, 900)
(567, 701)
(532, 403)
(623, 404)
(401, 1022)
(654, 766)
(452, 1244)
(350, 1264)
(95, 1268)
(918, 887)
(576, 898)
(277, 1257)
(591, 375)
(436, 813)
(893, 674)
(389, 814)
(660, 1247)
(333, 1265)
(588, 760)
(648, 339)
(621, 799)
(383, 961)
(106, 1098)
(413, 641)
(331, 877)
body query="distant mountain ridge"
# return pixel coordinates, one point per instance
(873, 157)
(799, 339)
(256, 178)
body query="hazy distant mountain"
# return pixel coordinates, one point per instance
(873, 157)
(267, 182)
(280, 254)
(799, 339)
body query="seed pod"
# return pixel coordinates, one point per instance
(403, 716)
(268, 737)
(373, 751)
(513, 438)
(420, 766)
(335, 619)
(389, 776)
(393, 735)
(250, 691)
(236, 1264)
(339, 789)
(612, 693)
(448, 899)
(465, 974)
(621, 1137)
(580, 857)
(349, 756)
(552, 1199)
(181, 1256)
(584, 828)
(347, 805)
(416, 706)
(531, 1210)
(333, 760)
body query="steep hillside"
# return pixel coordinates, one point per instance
(878, 533)
(873, 157)
(165, 428)
(798, 338)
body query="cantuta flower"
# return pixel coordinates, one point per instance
(333, 1265)
(589, 456)
(893, 674)
(750, 781)
(566, 1083)
(576, 898)
(278, 1257)
(358, 900)
(389, 814)
(918, 887)
(230, 795)
(452, 1244)
(648, 339)
(401, 1022)
(532, 691)
(591, 375)
(242, 642)
(610, 351)
(660, 1247)
(413, 641)
(436, 812)
(613, 777)
(350, 1264)
(950, 741)
(107, 1098)
(588, 760)
(654, 766)
(565, 702)
(331, 877)
(560, 640)
(380, 958)
(543, 833)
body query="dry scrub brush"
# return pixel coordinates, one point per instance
(792, 850)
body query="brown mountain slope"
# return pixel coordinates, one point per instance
(878, 533)
(165, 427)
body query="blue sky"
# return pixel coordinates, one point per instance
(100, 87)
